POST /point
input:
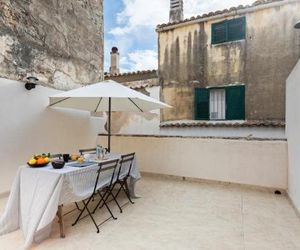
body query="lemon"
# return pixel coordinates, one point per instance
(46, 159)
(81, 159)
(32, 161)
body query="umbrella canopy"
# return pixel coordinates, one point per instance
(95, 98)
(106, 96)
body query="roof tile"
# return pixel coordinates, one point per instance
(106, 74)
(218, 12)
(250, 123)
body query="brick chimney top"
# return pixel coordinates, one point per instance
(114, 61)
(114, 50)
(176, 11)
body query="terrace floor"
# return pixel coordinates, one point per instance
(175, 214)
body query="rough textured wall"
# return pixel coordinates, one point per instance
(60, 42)
(133, 76)
(262, 61)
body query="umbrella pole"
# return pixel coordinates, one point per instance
(109, 122)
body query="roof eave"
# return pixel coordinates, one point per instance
(193, 20)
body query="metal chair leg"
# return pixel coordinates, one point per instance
(114, 198)
(77, 206)
(127, 192)
(93, 219)
(107, 207)
(98, 204)
(82, 210)
(89, 213)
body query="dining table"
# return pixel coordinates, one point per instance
(37, 196)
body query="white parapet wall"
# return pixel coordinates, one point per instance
(28, 127)
(293, 134)
(252, 162)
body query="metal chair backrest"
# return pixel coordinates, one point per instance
(104, 167)
(89, 151)
(126, 159)
(54, 156)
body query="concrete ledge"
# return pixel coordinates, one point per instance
(196, 137)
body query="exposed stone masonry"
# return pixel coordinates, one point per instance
(59, 42)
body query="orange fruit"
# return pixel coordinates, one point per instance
(46, 159)
(40, 161)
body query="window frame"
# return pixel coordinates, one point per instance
(223, 99)
(226, 23)
(205, 114)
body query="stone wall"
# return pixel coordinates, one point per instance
(262, 61)
(59, 42)
(144, 76)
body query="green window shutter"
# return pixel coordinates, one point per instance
(228, 30)
(201, 104)
(235, 103)
(219, 32)
(237, 29)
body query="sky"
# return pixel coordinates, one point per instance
(130, 26)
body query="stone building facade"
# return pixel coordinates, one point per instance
(135, 80)
(147, 83)
(200, 54)
(59, 42)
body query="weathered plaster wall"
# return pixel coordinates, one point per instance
(133, 76)
(129, 123)
(60, 42)
(262, 61)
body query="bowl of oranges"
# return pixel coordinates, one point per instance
(38, 161)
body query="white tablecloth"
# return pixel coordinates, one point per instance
(36, 194)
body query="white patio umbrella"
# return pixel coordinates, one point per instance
(106, 96)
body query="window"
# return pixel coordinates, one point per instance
(217, 104)
(227, 103)
(228, 30)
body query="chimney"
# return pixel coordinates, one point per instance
(176, 11)
(114, 61)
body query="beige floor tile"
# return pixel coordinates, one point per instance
(174, 214)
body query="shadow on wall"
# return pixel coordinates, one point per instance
(28, 127)
(124, 121)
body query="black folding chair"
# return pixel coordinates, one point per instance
(123, 175)
(89, 151)
(108, 192)
(103, 168)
